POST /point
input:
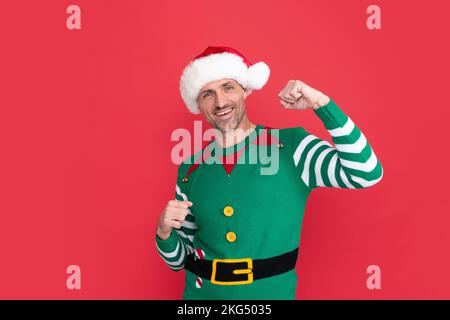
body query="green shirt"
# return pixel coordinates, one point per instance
(267, 198)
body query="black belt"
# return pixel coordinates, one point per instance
(240, 271)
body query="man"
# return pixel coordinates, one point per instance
(234, 229)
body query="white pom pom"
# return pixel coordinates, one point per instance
(258, 74)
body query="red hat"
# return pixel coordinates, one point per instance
(216, 63)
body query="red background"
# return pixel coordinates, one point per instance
(86, 118)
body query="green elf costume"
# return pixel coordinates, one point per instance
(241, 235)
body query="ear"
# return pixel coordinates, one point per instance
(247, 92)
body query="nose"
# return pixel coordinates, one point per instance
(220, 100)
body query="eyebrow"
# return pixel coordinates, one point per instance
(222, 85)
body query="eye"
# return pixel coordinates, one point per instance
(206, 94)
(229, 88)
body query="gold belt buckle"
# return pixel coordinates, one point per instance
(247, 271)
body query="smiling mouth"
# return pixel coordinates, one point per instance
(224, 112)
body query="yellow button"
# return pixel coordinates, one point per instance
(231, 236)
(228, 211)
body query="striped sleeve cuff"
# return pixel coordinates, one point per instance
(331, 116)
(168, 245)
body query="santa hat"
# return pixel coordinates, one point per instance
(216, 63)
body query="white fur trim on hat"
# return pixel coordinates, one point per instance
(220, 66)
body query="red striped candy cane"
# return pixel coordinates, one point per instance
(199, 254)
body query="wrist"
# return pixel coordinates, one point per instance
(163, 235)
(321, 102)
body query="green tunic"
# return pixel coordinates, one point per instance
(256, 210)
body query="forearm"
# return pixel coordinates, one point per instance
(354, 161)
(172, 250)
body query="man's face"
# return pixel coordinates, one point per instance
(222, 102)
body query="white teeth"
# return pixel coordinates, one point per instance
(224, 112)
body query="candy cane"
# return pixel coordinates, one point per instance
(199, 254)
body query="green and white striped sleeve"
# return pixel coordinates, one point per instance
(174, 249)
(351, 163)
